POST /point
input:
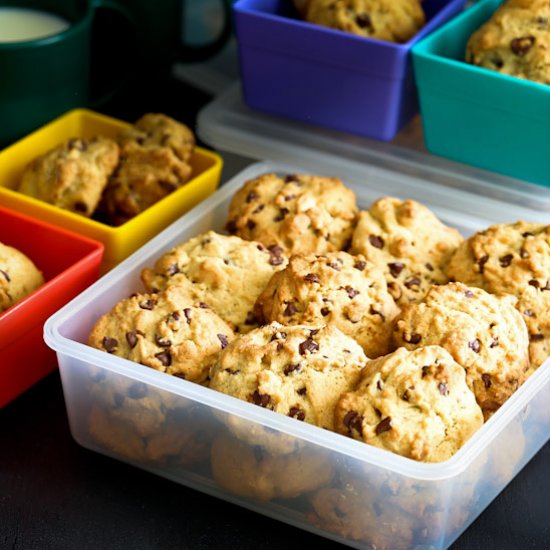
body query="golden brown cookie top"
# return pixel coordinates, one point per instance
(169, 332)
(484, 333)
(505, 258)
(302, 214)
(72, 175)
(515, 41)
(414, 403)
(334, 288)
(299, 371)
(408, 242)
(226, 272)
(18, 276)
(390, 20)
(154, 130)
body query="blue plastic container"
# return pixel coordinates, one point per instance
(328, 77)
(478, 116)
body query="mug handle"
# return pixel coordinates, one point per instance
(189, 53)
(112, 5)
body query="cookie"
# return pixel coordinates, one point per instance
(225, 272)
(534, 306)
(515, 41)
(484, 333)
(168, 332)
(301, 214)
(390, 20)
(155, 130)
(413, 403)
(504, 258)
(18, 276)
(253, 472)
(72, 175)
(337, 288)
(408, 243)
(140, 423)
(144, 176)
(298, 371)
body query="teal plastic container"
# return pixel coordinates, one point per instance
(478, 116)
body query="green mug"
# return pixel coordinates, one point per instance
(43, 77)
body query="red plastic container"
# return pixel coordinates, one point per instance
(69, 263)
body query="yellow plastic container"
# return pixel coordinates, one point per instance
(119, 241)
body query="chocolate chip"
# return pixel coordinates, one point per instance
(325, 311)
(188, 312)
(396, 268)
(352, 293)
(383, 426)
(261, 399)
(232, 371)
(425, 371)
(251, 319)
(77, 143)
(528, 313)
(353, 421)
(363, 21)
(412, 282)
(311, 278)
(494, 343)
(281, 215)
(147, 304)
(523, 254)
(379, 385)
(308, 345)
(280, 346)
(486, 380)
(258, 209)
(334, 265)
(526, 234)
(536, 337)
(275, 252)
(252, 196)
(443, 389)
(6, 276)
(172, 270)
(80, 207)
(296, 412)
(291, 368)
(535, 283)
(481, 263)
(505, 261)
(291, 178)
(376, 241)
(339, 513)
(167, 186)
(278, 335)
(131, 338)
(290, 310)
(289, 197)
(162, 342)
(110, 344)
(429, 266)
(301, 391)
(118, 399)
(313, 331)
(164, 357)
(138, 390)
(203, 305)
(223, 340)
(231, 226)
(475, 345)
(520, 46)
(468, 294)
(414, 338)
(360, 265)
(251, 224)
(373, 311)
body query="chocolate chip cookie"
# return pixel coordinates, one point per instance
(390, 20)
(414, 403)
(335, 288)
(409, 243)
(72, 175)
(225, 272)
(18, 276)
(298, 213)
(515, 41)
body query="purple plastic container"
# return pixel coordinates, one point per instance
(327, 77)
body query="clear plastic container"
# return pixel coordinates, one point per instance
(347, 491)
(229, 125)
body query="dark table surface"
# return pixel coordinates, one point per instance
(56, 494)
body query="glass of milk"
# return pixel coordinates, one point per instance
(23, 24)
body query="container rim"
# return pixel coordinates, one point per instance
(312, 434)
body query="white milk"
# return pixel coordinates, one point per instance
(20, 24)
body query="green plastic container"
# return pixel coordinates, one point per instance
(478, 116)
